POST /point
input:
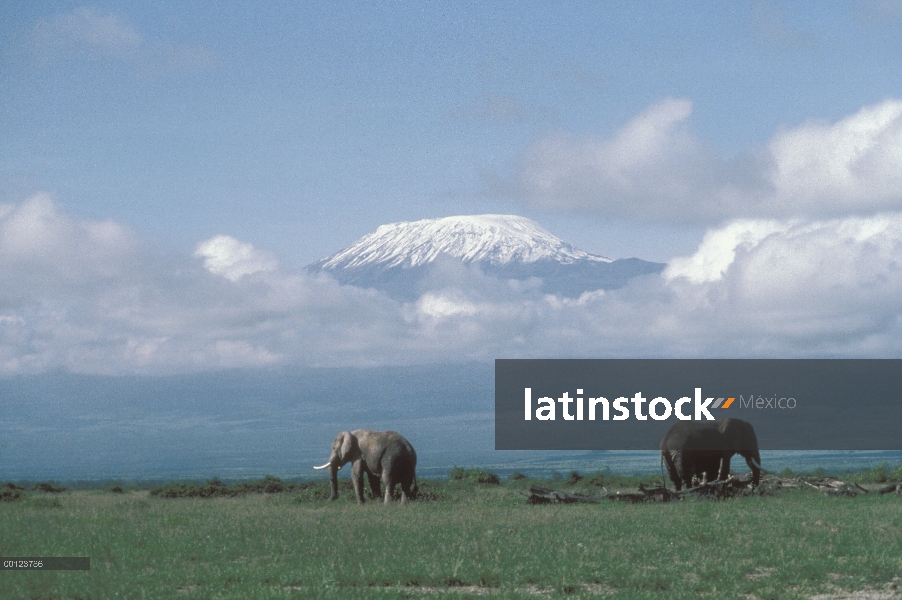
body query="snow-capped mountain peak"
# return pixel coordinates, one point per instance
(494, 239)
(402, 259)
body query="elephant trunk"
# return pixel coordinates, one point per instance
(333, 465)
(333, 479)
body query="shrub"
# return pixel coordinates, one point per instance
(596, 480)
(473, 476)
(267, 485)
(573, 478)
(431, 491)
(213, 488)
(877, 474)
(48, 488)
(12, 494)
(116, 489)
(517, 476)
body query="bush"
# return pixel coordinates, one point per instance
(881, 473)
(48, 488)
(267, 485)
(10, 493)
(596, 480)
(116, 489)
(473, 476)
(573, 478)
(431, 491)
(212, 489)
(517, 476)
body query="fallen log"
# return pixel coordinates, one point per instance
(833, 487)
(542, 495)
(727, 488)
(658, 494)
(892, 488)
(775, 481)
(719, 489)
(631, 498)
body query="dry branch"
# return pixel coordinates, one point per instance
(727, 488)
(825, 485)
(542, 495)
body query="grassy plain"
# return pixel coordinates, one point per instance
(465, 539)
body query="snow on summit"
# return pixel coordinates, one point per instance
(496, 239)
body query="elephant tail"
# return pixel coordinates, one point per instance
(663, 478)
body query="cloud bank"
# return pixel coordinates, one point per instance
(655, 168)
(92, 297)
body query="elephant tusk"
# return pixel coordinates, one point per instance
(324, 466)
(763, 470)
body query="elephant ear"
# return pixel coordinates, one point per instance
(348, 442)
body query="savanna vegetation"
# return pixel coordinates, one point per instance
(471, 535)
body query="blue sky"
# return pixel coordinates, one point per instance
(130, 134)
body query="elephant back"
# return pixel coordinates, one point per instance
(695, 436)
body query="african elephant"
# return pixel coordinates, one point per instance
(379, 454)
(693, 448)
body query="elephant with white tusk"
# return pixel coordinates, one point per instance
(385, 456)
(703, 449)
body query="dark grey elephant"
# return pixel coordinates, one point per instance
(384, 456)
(703, 449)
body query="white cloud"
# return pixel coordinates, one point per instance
(854, 164)
(648, 159)
(86, 32)
(41, 247)
(655, 169)
(90, 297)
(226, 256)
(85, 29)
(718, 249)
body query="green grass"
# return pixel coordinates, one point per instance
(463, 539)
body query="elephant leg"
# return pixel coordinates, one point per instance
(724, 468)
(389, 484)
(406, 493)
(672, 469)
(357, 478)
(374, 486)
(685, 468)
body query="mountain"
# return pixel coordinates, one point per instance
(406, 259)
